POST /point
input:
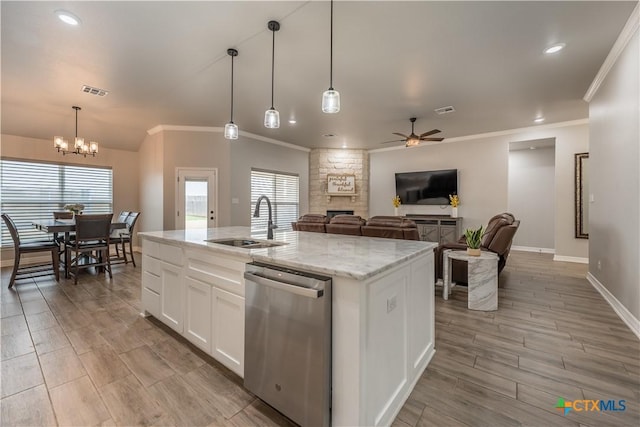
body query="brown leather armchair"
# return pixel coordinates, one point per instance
(391, 227)
(311, 222)
(497, 238)
(346, 224)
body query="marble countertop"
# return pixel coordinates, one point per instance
(356, 257)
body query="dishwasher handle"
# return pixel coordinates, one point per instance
(298, 290)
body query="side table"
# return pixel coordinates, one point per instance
(482, 278)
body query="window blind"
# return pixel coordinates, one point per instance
(34, 190)
(283, 191)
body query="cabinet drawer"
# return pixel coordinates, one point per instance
(150, 302)
(171, 254)
(151, 281)
(152, 265)
(218, 270)
(151, 248)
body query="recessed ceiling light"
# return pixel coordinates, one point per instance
(329, 135)
(539, 120)
(555, 48)
(67, 17)
(292, 121)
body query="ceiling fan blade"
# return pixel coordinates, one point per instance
(399, 134)
(431, 139)
(431, 132)
(395, 140)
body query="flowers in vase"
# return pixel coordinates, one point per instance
(76, 208)
(454, 201)
(396, 202)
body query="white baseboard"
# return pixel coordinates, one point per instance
(534, 249)
(563, 258)
(621, 310)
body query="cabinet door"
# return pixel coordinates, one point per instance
(197, 326)
(227, 315)
(171, 295)
(448, 234)
(428, 232)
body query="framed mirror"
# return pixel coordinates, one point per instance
(582, 195)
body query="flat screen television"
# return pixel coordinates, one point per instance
(427, 187)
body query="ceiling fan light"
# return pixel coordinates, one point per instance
(272, 118)
(331, 101)
(412, 142)
(231, 131)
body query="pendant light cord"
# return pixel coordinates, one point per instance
(231, 88)
(76, 123)
(273, 56)
(331, 51)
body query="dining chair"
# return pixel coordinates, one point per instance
(91, 246)
(32, 270)
(122, 237)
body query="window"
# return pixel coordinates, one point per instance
(33, 190)
(283, 191)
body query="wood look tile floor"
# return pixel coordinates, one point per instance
(82, 355)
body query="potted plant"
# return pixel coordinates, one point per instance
(396, 204)
(76, 208)
(454, 201)
(473, 238)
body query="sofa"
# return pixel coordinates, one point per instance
(378, 226)
(311, 222)
(497, 238)
(346, 224)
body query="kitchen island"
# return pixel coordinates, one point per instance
(382, 305)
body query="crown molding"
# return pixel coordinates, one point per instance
(212, 129)
(630, 28)
(493, 134)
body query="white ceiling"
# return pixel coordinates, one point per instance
(166, 63)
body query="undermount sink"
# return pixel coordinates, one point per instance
(240, 242)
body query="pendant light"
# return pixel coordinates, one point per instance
(79, 147)
(331, 97)
(272, 116)
(231, 129)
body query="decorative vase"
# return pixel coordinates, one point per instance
(395, 211)
(473, 252)
(454, 212)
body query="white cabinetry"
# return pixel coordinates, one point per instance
(228, 330)
(214, 287)
(200, 294)
(162, 283)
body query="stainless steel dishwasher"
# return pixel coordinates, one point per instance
(287, 361)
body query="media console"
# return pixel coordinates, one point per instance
(437, 228)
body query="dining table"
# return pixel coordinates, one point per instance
(66, 226)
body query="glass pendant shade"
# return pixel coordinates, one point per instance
(272, 118)
(331, 101)
(231, 131)
(57, 141)
(79, 143)
(93, 147)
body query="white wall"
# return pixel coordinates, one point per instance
(247, 153)
(151, 183)
(198, 150)
(614, 160)
(482, 162)
(531, 196)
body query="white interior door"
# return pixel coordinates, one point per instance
(197, 198)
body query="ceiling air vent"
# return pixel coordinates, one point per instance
(445, 110)
(94, 90)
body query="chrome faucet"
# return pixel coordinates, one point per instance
(256, 214)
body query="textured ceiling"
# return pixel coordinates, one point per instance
(166, 63)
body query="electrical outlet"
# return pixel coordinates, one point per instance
(599, 265)
(391, 304)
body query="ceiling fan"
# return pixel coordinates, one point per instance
(413, 139)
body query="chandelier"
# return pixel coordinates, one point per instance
(79, 146)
